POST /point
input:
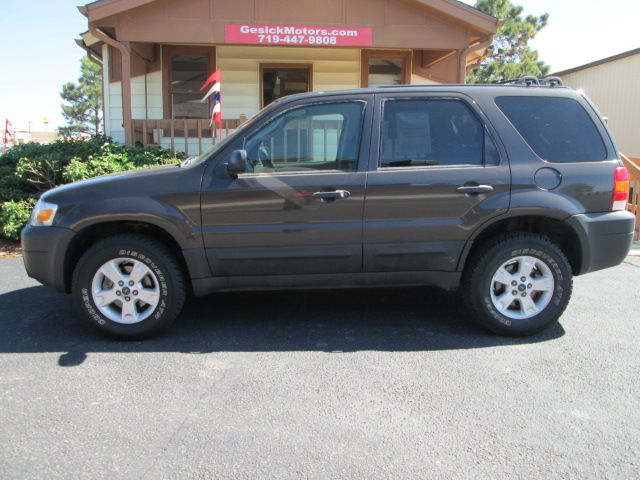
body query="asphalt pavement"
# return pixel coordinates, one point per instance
(386, 383)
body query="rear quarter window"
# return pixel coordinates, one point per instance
(557, 129)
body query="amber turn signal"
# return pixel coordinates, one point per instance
(43, 214)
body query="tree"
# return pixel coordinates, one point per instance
(82, 107)
(512, 57)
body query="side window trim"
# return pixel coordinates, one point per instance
(376, 164)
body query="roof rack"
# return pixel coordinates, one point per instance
(552, 82)
(530, 80)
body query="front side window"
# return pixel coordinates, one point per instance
(557, 129)
(430, 132)
(315, 137)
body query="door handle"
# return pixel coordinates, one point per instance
(475, 189)
(331, 196)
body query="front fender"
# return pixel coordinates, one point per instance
(185, 231)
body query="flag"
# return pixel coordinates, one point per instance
(214, 77)
(215, 80)
(8, 135)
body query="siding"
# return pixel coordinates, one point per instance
(115, 127)
(112, 94)
(615, 89)
(333, 69)
(192, 147)
(419, 80)
(152, 109)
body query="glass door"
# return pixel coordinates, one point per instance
(281, 80)
(385, 67)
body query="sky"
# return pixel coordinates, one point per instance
(39, 54)
(582, 31)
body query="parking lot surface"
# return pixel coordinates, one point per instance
(323, 384)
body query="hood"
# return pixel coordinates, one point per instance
(159, 192)
(112, 181)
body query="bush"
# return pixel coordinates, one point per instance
(10, 188)
(28, 170)
(106, 161)
(39, 173)
(13, 218)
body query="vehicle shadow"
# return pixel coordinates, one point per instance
(36, 319)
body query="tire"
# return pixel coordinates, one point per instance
(119, 309)
(522, 307)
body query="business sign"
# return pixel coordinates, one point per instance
(296, 35)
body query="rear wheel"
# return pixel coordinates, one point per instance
(129, 286)
(518, 284)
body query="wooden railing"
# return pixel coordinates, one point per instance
(191, 136)
(633, 165)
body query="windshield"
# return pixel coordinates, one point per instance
(192, 161)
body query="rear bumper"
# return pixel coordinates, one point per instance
(43, 253)
(605, 237)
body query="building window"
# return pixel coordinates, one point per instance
(185, 69)
(385, 67)
(281, 80)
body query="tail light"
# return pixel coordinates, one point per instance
(620, 189)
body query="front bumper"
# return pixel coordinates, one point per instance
(605, 238)
(43, 252)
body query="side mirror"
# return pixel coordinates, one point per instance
(237, 163)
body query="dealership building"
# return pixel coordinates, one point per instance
(157, 54)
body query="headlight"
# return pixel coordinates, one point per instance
(43, 214)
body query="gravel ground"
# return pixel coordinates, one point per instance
(346, 384)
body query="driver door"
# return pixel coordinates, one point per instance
(298, 208)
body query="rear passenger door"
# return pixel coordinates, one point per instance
(436, 173)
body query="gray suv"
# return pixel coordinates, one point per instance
(504, 192)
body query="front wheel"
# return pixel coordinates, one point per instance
(129, 286)
(518, 284)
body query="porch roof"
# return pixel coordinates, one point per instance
(453, 9)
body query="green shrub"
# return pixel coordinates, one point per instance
(10, 188)
(39, 174)
(28, 170)
(13, 217)
(109, 159)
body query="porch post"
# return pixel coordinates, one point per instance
(126, 95)
(479, 45)
(462, 68)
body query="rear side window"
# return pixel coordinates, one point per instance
(557, 129)
(425, 132)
